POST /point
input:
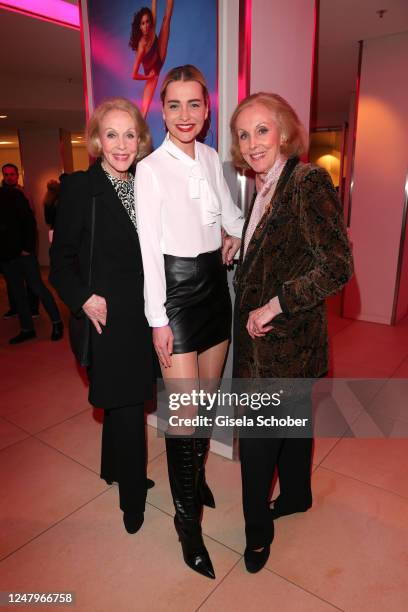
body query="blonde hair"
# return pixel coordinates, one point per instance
(188, 72)
(294, 140)
(92, 131)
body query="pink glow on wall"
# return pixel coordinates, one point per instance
(282, 50)
(55, 11)
(112, 60)
(244, 60)
(314, 68)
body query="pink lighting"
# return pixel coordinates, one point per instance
(55, 11)
(244, 60)
(112, 60)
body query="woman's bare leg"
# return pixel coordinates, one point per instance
(163, 38)
(182, 377)
(189, 372)
(148, 94)
(211, 363)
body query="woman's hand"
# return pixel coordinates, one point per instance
(96, 310)
(163, 343)
(230, 246)
(259, 319)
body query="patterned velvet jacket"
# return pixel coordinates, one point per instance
(299, 252)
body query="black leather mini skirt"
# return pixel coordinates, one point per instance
(198, 301)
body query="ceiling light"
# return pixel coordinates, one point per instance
(6, 142)
(3, 116)
(54, 11)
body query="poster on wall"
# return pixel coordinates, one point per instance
(130, 45)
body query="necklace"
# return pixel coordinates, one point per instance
(115, 177)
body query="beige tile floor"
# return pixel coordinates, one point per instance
(61, 530)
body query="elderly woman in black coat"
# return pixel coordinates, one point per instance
(121, 371)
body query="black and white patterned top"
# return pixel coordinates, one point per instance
(126, 193)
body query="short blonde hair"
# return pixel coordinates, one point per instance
(92, 131)
(294, 140)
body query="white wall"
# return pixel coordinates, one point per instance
(380, 167)
(228, 20)
(41, 160)
(282, 51)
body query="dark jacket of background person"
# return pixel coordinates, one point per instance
(17, 224)
(300, 252)
(121, 372)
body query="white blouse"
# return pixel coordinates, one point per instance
(181, 205)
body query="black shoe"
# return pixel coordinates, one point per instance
(280, 509)
(204, 491)
(57, 331)
(149, 483)
(10, 314)
(255, 560)
(133, 521)
(23, 336)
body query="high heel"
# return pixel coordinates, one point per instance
(204, 491)
(256, 559)
(57, 331)
(182, 467)
(195, 553)
(133, 521)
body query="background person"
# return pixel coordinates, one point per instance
(182, 202)
(18, 237)
(10, 178)
(50, 203)
(295, 254)
(121, 373)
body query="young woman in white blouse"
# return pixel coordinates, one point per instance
(182, 202)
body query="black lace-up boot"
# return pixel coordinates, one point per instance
(183, 476)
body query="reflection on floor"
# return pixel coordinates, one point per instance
(61, 529)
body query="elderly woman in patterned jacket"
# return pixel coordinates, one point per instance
(295, 253)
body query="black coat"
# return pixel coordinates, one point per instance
(122, 364)
(17, 224)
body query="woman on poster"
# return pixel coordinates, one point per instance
(182, 202)
(151, 50)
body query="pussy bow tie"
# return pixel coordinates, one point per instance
(199, 187)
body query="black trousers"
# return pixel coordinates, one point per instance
(32, 299)
(124, 455)
(26, 269)
(259, 459)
